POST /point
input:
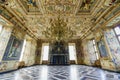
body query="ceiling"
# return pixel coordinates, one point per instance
(84, 16)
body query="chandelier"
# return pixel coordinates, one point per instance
(58, 30)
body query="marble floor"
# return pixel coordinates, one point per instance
(71, 72)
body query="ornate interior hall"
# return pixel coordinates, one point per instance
(59, 39)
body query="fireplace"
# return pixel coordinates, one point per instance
(59, 53)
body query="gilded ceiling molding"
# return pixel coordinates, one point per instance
(5, 22)
(8, 16)
(78, 6)
(84, 16)
(41, 8)
(18, 33)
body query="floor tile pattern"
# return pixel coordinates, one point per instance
(70, 72)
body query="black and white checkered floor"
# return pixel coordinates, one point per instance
(71, 72)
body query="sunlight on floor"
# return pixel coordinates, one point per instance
(71, 72)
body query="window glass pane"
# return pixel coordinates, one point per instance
(45, 52)
(97, 55)
(93, 41)
(95, 48)
(119, 38)
(0, 28)
(117, 30)
(23, 49)
(72, 53)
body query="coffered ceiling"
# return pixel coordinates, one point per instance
(84, 16)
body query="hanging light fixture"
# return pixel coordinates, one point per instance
(58, 30)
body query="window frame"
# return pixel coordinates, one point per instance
(95, 49)
(117, 35)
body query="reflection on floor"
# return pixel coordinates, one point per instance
(71, 72)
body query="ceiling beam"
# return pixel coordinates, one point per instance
(78, 6)
(41, 6)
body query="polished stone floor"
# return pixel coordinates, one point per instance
(71, 72)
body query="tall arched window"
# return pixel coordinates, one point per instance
(72, 51)
(45, 51)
